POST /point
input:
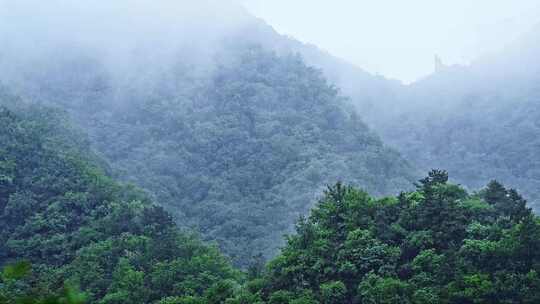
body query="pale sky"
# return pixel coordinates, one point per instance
(399, 38)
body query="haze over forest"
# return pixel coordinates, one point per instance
(177, 152)
(399, 39)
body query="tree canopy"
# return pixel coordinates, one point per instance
(236, 149)
(438, 244)
(76, 226)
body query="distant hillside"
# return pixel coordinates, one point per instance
(479, 122)
(373, 95)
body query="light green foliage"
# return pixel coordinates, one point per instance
(280, 297)
(16, 271)
(333, 292)
(383, 290)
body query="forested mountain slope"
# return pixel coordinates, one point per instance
(479, 122)
(238, 153)
(370, 93)
(76, 225)
(235, 138)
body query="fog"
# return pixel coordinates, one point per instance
(395, 39)
(399, 39)
(124, 34)
(107, 21)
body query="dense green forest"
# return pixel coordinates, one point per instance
(237, 153)
(78, 228)
(437, 244)
(75, 225)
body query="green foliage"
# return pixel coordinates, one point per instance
(61, 213)
(16, 271)
(437, 244)
(12, 289)
(333, 292)
(280, 297)
(378, 290)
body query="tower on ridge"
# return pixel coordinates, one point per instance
(439, 65)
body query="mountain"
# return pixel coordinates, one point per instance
(233, 130)
(479, 121)
(233, 137)
(74, 224)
